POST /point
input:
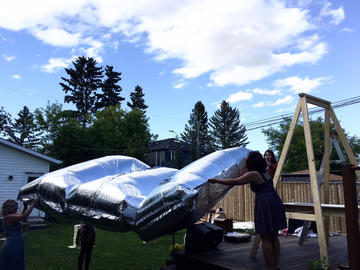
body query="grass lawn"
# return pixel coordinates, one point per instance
(47, 249)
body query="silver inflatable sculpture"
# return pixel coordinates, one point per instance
(121, 193)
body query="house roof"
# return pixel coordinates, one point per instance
(28, 151)
(305, 173)
(169, 144)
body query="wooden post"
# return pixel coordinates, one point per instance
(351, 215)
(314, 182)
(327, 169)
(286, 146)
(343, 140)
(318, 217)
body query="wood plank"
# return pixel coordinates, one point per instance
(313, 180)
(316, 101)
(343, 139)
(326, 176)
(300, 216)
(233, 256)
(287, 142)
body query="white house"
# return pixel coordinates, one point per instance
(19, 166)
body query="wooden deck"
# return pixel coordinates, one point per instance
(231, 256)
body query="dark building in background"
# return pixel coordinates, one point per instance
(171, 153)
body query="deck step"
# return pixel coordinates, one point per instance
(35, 223)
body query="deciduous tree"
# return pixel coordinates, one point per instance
(296, 158)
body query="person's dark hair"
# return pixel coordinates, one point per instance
(273, 159)
(9, 207)
(256, 162)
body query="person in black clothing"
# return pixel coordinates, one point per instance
(87, 240)
(269, 213)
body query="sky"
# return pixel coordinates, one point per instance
(257, 55)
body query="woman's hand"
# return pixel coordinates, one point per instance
(32, 201)
(212, 180)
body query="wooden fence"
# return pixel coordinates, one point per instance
(239, 204)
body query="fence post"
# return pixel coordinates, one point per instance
(351, 215)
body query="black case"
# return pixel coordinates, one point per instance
(203, 237)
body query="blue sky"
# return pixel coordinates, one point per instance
(258, 55)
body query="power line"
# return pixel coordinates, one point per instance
(279, 119)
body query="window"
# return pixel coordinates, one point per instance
(32, 176)
(170, 155)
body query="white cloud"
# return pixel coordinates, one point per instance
(8, 58)
(233, 98)
(234, 42)
(305, 43)
(55, 64)
(299, 85)
(94, 50)
(57, 37)
(347, 29)
(179, 85)
(285, 100)
(16, 77)
(259, 105)
(266, 92)
(338, 15)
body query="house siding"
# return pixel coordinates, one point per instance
(20, 165)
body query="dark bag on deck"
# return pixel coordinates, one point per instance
(203, 237)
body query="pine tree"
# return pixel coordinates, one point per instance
(82, 85)
(196, 131)
(137, 99)
(23, 131)
(226, 129)
(110, 95)
(5, 121)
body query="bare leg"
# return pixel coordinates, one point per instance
(268, 251)
(276, 249)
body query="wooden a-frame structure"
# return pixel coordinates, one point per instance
(322, 227)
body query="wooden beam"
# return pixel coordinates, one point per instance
(327, 169)
(352, 216)
(255, 247)
(316, 101)
(286, 146)
(328, 210)
(313, 180)
(301, 216)
(343, 140)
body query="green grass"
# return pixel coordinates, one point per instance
(47, 249)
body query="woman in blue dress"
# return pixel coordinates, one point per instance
(269, 213)
(12, 255)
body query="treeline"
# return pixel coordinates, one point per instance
(100, 126)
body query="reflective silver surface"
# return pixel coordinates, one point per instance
(122, 193)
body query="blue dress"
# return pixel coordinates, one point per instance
(13, 252)
(269, 212)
